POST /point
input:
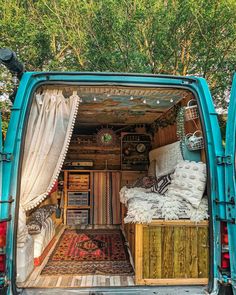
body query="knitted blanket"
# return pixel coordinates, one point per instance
(144, 206)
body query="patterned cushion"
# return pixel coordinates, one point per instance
(145, 182)
(166, 157)
(189, 182)
(161, 185)
(37, 218)
(34, 227)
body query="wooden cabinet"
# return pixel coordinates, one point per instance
(77, 197)
(92, 197)
(174, 252)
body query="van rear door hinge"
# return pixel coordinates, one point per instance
(230, 202)
(224, 160)
(11, 200)
(6, 157)
(8, 218)
(233, 221)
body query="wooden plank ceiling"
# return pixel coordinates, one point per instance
(107, 105)
(125, 105)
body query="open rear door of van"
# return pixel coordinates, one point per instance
(230, 185)
(1, 151)
(3, 220)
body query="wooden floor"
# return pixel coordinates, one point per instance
(35, 280)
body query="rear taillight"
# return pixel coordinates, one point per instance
(225, 259)
(3, 233)
(2, 262)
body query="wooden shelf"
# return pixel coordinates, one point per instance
(98, 148)
(91, 170)
(78, 207)
(67, 190)
(79, 191)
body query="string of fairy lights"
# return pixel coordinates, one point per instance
(131, 98)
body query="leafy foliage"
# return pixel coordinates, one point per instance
(5, 114)
(180, 37)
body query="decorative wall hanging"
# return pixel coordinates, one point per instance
(141, 148)
(135, 148)
(180, 124)
(106, 137)
(166, 119)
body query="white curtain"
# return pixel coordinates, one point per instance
(48, 134)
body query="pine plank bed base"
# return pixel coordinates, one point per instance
(170, 252)
(172, 282)
(39, 260)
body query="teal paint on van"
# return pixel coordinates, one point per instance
(230, 182)
(14, 139)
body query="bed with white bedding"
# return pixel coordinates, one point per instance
(182, 197)
(42, 240)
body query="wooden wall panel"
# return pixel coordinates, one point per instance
(168, 135)
(129, 177)
(129, 229)
(191, 246)
(165, 136)
(179, 255)
(103, 157)
(155, 248)
(146, 252)
(170, 251)
(203, 255)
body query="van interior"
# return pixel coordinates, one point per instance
(129, 206)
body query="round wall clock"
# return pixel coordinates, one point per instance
(141, 148)
(106, 137)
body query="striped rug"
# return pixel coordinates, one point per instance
(106, 201)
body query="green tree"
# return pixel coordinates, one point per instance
(180, 37)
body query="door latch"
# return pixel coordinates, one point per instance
(6, 157)
(9, 201)
(232, 221)
(230, 202)
(224, 160)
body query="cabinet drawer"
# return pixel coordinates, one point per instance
(77, 217)
(78, 181)
(82, 178)
(78, 199)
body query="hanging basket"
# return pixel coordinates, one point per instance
(194, 141)
(191, 110)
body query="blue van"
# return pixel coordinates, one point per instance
(109, 124)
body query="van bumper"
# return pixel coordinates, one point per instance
(177, 290)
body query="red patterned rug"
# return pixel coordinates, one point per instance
(84, 252)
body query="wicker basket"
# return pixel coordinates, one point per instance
(194, 141)
(191, 110)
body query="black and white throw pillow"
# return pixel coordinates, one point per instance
(161, 185)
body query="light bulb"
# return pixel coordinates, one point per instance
(108, 95)
(158, 101)
(144, 101)
(131, 97)
(15, 80)
(171, 100)
(94, 99)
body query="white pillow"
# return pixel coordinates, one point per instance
(152, 168)
(189, 182)
(166, 157)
